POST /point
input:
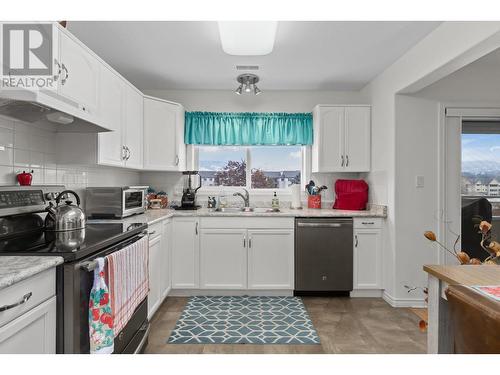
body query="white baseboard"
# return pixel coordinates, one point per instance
(403, 302)
(366, 293)
(215, 292)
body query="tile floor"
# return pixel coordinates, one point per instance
(345, 325)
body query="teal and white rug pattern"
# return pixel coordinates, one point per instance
(244, 320)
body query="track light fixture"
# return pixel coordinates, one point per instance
(248, 84)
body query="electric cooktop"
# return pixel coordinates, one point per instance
(70, 245)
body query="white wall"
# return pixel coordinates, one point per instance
(448, 48)
(26, 147)
(268, 101)
(416, 209)
(477, 82)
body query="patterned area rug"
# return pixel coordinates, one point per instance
(244, 320)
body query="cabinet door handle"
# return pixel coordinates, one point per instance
(250, 242)
(244, 242)
(66, 74)
(176, 159)
(342, 159)
(196, 228)
(23, 300)
(356, 240)
(124, 153)
(128, 152)
(347, 160)
(151, 233)
(367, 222)
(56, 76)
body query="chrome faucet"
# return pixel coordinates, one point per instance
(246, 197)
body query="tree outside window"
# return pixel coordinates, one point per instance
(258, 167)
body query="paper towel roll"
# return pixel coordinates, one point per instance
(296, 202)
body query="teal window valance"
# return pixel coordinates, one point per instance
(248, 128)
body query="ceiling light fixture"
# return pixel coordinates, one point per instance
(247, 38)
(248, 84)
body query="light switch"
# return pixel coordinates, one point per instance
(419, 181)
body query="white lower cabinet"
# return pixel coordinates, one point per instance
(271, 259)
(33, 332)
(28, 315)
(223, 259)
(367, 254)
(237, 254)
(155, 254)
(185, 253)
(166, 261)
(159, 264)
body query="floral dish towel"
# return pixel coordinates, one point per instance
(100, 315)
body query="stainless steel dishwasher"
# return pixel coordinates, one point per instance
(323, 255)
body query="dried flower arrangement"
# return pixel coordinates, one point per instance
(487, 243)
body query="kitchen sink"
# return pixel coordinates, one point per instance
(246, 209)
(230, 209)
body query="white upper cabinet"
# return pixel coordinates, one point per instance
(134, 129)
(121, 110)
(342, 139)
(357, 139)
(110, 148)
(164, 148)
(328, 146)
(79, 78)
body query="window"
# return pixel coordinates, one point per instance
(481, 162)
(253, 167)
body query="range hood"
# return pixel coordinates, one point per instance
(46, 107)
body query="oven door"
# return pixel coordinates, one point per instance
(133, 202)
(73, 307)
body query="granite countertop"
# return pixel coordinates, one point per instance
(17, 268)
(153, 216)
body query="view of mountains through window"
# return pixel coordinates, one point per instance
(481, 164)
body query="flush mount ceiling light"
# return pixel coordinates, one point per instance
(248, 84)
(247, 38)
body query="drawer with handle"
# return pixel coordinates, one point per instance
(21, 297)
(154, 230)
(367, 223)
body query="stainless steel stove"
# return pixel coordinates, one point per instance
(22, 213)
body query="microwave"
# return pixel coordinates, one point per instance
(115, 202)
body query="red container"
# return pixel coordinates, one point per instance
(351, 195)
(314, 201)
(24, 178)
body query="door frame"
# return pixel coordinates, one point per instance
(458, 112)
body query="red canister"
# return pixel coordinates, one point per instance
(25, 178)
(314, 201)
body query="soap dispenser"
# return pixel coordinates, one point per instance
(275, 203)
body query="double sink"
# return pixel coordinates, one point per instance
(246, 209)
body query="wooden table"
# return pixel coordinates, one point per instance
(439, 332)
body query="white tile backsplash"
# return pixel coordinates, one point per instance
(26, 147)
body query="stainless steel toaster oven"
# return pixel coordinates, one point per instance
(115, 202)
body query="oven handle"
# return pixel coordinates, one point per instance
(91, 265)
(143, 340)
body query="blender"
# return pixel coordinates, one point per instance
(188, 200)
